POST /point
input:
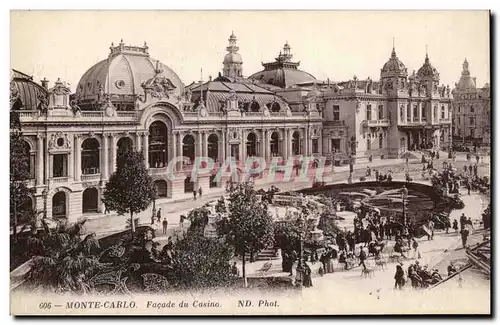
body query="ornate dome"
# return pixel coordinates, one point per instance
(394, 67)
(427, 70)
(124, 72)
(26, 94)
(283, 72)
(466, 82)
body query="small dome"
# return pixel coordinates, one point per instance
(394, 67)
(233, 58)
(466, 82)
(427, 70)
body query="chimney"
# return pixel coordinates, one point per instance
(45, 83)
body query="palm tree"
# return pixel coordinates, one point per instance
(61, 260)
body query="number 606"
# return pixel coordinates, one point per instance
(45, 305)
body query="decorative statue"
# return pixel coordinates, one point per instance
(188, 95)
(448, 90)
(44, 103)
(74, 106)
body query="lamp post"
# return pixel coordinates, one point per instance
(44, 194)
(333, 158)
(352, 145)
(404, 197)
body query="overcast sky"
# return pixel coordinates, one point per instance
(328, 44)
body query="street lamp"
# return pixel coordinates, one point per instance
(404, 197)
(44, 194)
(333, 158)
(353, 144)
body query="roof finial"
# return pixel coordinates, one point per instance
(393, 43)
(393, 53)
(426, 52)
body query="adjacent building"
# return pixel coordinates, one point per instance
(472, 110)
(132, 101)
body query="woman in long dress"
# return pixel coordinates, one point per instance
(307, 280)
(329, 262)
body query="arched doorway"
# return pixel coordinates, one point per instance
(161, 188)
(251, 145)
(188, 147)
(90, 200)
(90, 156)
(59, 205)
(188, 185)
(296, 143)
(124, 144)
(213, 147)
(274, 144)
(158, 144)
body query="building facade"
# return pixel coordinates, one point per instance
(472, 110)
(131, 101)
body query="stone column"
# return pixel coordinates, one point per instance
(306, 142)
(78, 157)
(105, 155)
(145, 148)
(284, 144)
(222, 147)
(113, 153)
(263, 144)
(420, 112)
(199, 143)
(175, 144)
(51, 166)
(179, 145)
(39, 159)
(205, 144)
(243, 144)
(71, 162)
(138, 144)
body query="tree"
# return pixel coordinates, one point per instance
(130, 189)
(198, 219)
(19, 173)
(61, 260)
(199, 262)
(247, 226)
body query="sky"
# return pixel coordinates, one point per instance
(329, 44)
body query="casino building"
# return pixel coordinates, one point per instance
(132, 101)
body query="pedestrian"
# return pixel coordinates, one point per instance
(470, 169)
(362, 258)
(455, 225)
(158, 215)
(463, 221)
(399, 277)
(194, 195)
(235, 271)
(468, 187)
(181, 220)
(165, 225)
(415, 248)
(465, 234)
(200, 193)
(477, 159)
(430, 225)
(307, 280)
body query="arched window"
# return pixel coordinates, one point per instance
(124, 144)
(90, 200)
(275, 107)
(59, 205)
(296, 143)
(254, 107)
(380, 141)
(251, 145)
(213, 147)
(275, 144)
(188, 149)
(158, 145)
(30, 159)
(90, 156)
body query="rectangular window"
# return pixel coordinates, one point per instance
(336, 112)
(459, 120)
(471, 120)
(380, 141)
(60, 166)
(369, 112)
(472, 109)
(368, 143)
(472, 133)
(314, 145)
(380, 112)
(408, 113)
(442, 112)
(416, 115)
